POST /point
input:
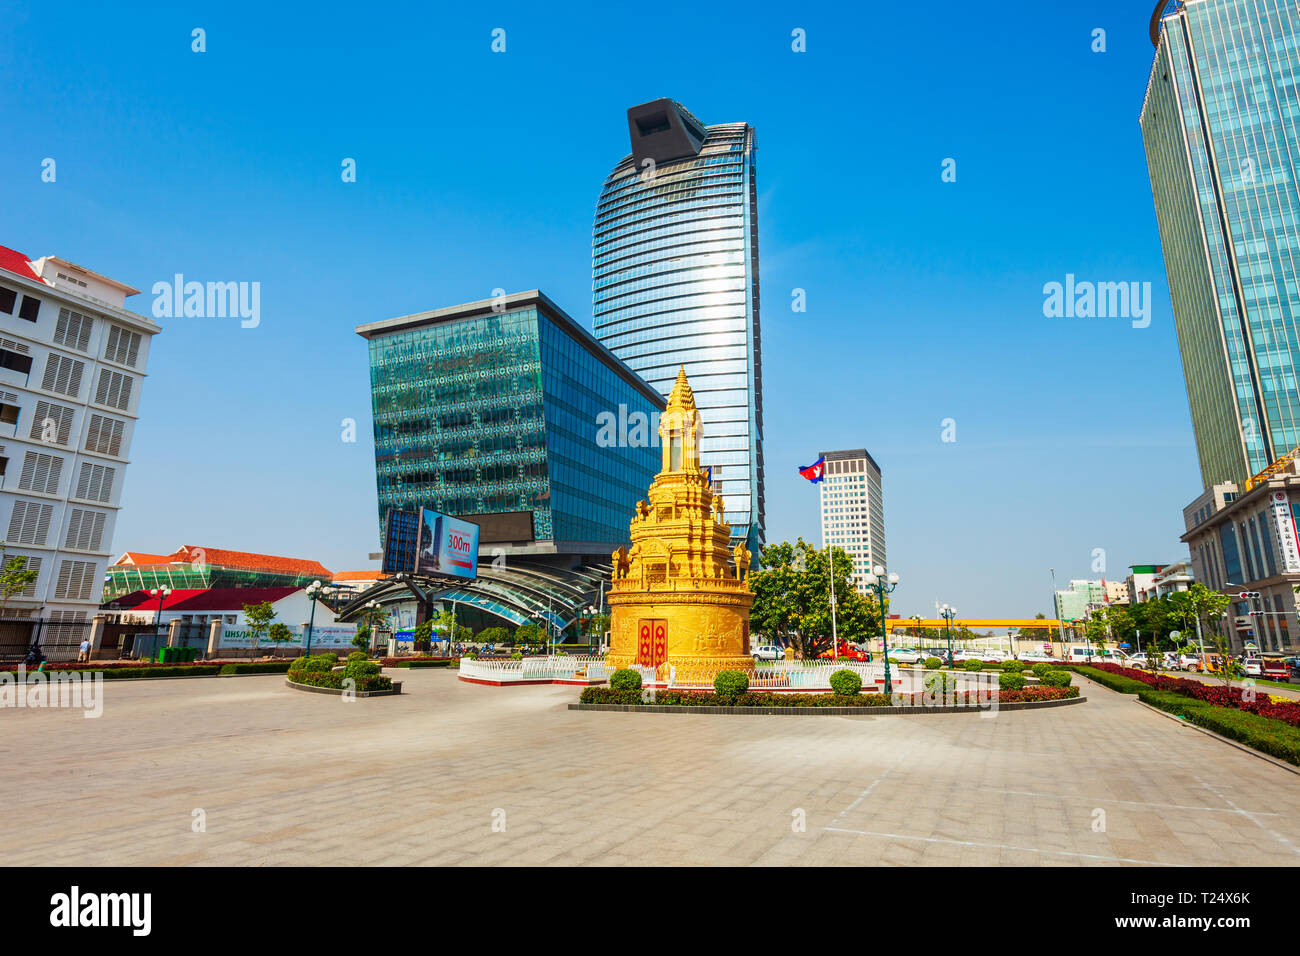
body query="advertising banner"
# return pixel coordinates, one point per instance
(1284, 531)
(448, 546)
(324, 636)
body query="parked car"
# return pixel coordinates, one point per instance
(1253, 666)
(848, 651)
(906, 655)
(769, 652)
(1036, 658)
(1135, 660)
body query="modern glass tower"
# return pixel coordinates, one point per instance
(1220, 127)
(675, 283)
(490, 412)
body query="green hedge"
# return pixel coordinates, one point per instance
(257, 667)
(1116, 682)
(1261, 733)
(126, 673)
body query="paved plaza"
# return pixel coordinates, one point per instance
(284, 777)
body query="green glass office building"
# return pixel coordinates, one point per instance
(491, 411)
(1219, 125)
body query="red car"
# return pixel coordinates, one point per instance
(847, 651)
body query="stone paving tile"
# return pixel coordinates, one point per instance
(275, 771)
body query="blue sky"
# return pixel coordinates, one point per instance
(479, 170)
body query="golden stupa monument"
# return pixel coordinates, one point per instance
(680, 597)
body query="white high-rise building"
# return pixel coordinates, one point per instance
(72, 361)
(853, 510)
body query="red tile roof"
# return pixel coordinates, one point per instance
(194, 554)
(359, 575)
(200, 599)
(11, 260)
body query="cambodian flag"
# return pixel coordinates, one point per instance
(814, 471)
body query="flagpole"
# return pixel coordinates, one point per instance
(835, 641)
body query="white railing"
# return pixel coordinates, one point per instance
(561, 667)
(777, 675)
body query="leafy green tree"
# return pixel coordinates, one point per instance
(258, 618)
(361, 640)
(423, 636)
(279, 633)
(15, 577)
(528, 634)
(1197, 603)
(792, 599)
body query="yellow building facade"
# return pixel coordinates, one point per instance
(680, 598)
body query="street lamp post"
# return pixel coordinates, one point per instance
(948, 613)
(313, 591)
(160, 593)
(882, 585)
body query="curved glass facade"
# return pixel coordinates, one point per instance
(1221, 131)
(675, 282)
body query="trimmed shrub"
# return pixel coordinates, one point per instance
(625, 679)
(932, 663)
(731, 684)
(940, 684)
(517, 656)
(844, 682)
(1056, 678)
(1042, 668)
(360, 669)
(1013, 666)
(973, 665)
(1011, 681)
(358, 656)
(257, 667)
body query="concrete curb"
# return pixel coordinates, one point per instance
(823, 711)
(1227, 740)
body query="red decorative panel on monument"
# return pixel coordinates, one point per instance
(645, 643)
(652, 642)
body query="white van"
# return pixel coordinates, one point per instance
(1079, 654)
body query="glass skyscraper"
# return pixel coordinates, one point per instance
(675, 283)
(1219, 124)
(489, 411)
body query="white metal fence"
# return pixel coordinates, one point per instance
(777, 675)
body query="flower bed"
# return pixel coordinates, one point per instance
(1236, 698)
(672, 698)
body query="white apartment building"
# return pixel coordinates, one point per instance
(72, 362)
(853, 510)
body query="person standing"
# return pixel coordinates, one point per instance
(83, 654)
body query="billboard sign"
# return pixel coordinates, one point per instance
(322, 636)
(448, 547)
